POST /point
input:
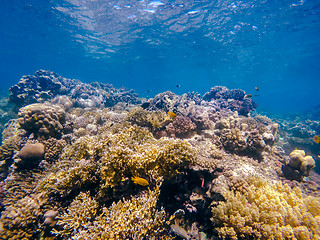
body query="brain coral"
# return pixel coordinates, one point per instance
(42, 120)
(266, 211)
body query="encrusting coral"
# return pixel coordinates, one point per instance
(267, 211)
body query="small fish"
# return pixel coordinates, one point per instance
(203, 236)
(256, 88)
(140, 181)
(248, 96)
(316, 139)
(178, 85)
(179, 231)
(172, 114)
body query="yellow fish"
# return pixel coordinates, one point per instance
(248, 96)
(140, 181)
(256, 88)
(316, 139)
(172, 114)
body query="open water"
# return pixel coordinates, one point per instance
(153, 46)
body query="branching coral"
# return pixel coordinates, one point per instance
(111, 157)
(19, 219)
(79, 215)
(266, 211)
(135, 218)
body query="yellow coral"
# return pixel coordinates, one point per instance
(268, 212)
(78, 214)
(136, 218)
(300, 161)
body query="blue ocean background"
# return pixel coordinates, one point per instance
(153, 46)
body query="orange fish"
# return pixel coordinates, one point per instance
(316, 139)
(140, 181)
(172, 114)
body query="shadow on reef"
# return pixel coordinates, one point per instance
(89, 161)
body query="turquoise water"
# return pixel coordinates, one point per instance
(153, 46)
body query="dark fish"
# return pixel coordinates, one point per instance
(178, 85)
(248, 96)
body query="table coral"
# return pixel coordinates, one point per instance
(265, 211)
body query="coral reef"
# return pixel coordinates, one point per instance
(264, 211)
(299, 165)
(46, 85)
(18, 219)
(89, 161)
(132, 151)
(135, 218)
(181, 127)
(244, 136)
(30, 156)
(42, 120)
(233, 99)
(35, 88)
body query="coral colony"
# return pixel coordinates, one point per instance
(89, 161)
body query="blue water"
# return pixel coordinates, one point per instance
(152, 46)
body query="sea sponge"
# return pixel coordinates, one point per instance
(265, 211)
(42, 120)
(304, 164)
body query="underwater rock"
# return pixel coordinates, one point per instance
(30, 155)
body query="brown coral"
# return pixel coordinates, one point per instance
(42, 120)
